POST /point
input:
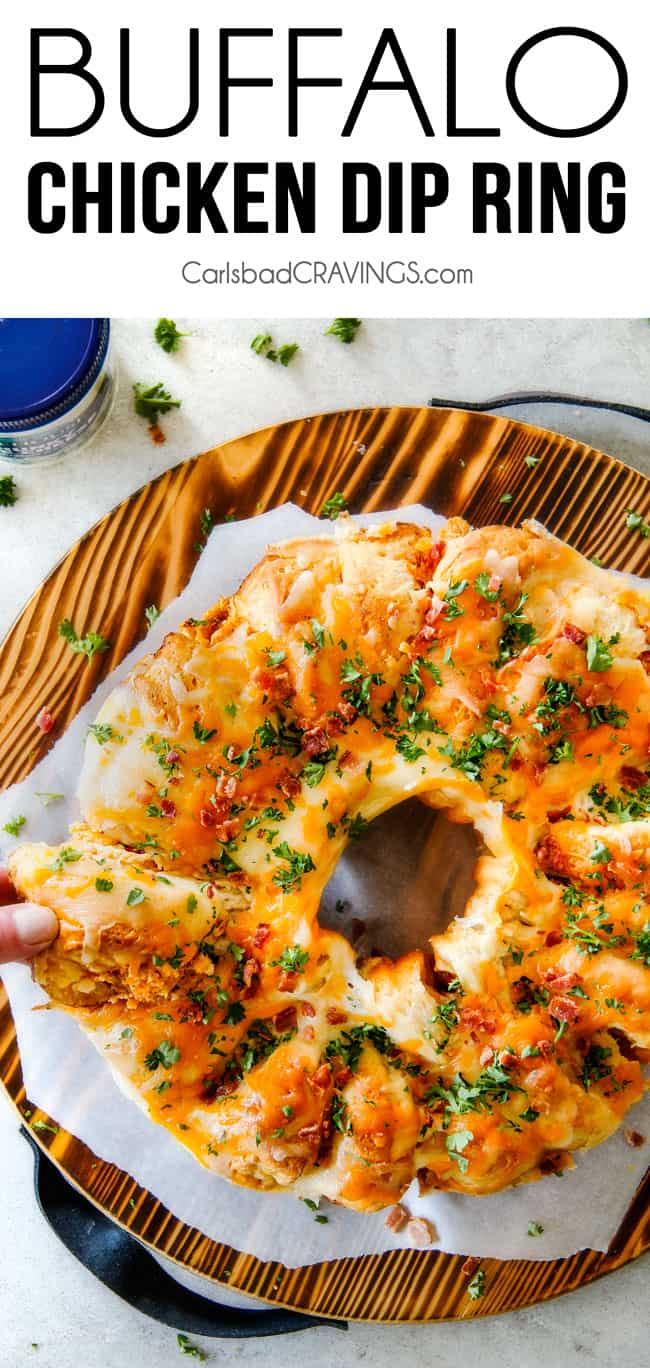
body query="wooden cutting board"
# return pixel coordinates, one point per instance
(143, 553)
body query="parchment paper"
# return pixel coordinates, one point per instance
(397, 866)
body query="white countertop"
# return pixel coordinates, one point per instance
(46, 1299)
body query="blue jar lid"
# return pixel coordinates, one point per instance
(46, 365)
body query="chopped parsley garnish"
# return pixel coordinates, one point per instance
(293, 960)
(236, 1013)
(164, 1054)
(453, 608)
(590, 940)
(314, 770)
(275, 658)
(336, 504)
(104, 885)
(152, 400)
(493, 1085)
(8, 491)
(345, 329)
(167, 335)
(360, 682)
(340, 1117)
(89, 645)
(103, 732)
(64, 857)
(635, 523)
(642, 945)
(152, 613)
(13, 826)
(318, 638)
(482, 587)
(355, 827)
(202, 734)
(409, 749)
(135, 896)
(456, 1142)
(191, 904)
(594, 1068)
(470, 755)
(517, 633)
(599, 657)
(349, 1045)
(601, 853)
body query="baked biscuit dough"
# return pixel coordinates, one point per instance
(495, 673)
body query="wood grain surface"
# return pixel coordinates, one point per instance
(144, 552)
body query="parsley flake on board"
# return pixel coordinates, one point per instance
(8, 491)
(262, 345)
(152, 400)
(89, 645)
(336, 504)
(192, 1350)
(345, 329)
(13, 826)
(167, 335)
(152, 613)
(635, 523)
(476, 1288)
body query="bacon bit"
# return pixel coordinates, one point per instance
(486, 1056)
(427, 562)
(285, 1020)
(276, 684)
(225, 831)
(45, 720)
(288, 784)
(507, 1059)
(425, 636)
(634, 1138)
(645, 661)
(558, 814)
(564, 1009)
(494, 584)
(310, 1132)
(335, 1016)
(487, 683)
(227, 784)
(207, 817)
(546, 1048)
(322, 1078)
(250, 970)
(334, 725)
(347, 712)
(210, 891)
(173, 757)
(421, 1232)
(476, 1019)
(286, 981)
(261, 935)
(558, 982)
(469, 1267)
(342, 1076)
(574, 634)
(553, 1163)
(346, 759)
(633, 778)
(537, 772)
(315, 740)
(307, 1009)
(156, 434)
(553, 938)
(168, 808)
(396, 1218)
(307, 1033)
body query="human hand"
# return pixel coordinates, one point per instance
(25, 928)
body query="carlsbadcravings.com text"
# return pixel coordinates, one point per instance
(327, 273)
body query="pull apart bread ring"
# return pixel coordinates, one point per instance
(495, 673)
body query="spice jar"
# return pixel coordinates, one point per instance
(56, 385)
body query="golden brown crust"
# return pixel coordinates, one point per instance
(494, 672)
